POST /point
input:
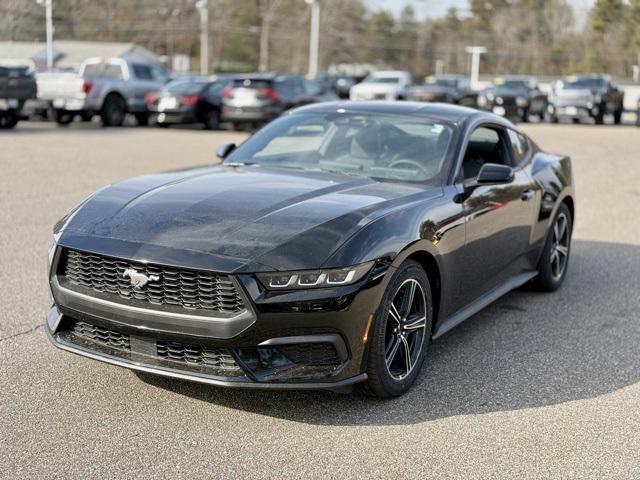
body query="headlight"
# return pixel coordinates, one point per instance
(490, 97)
(482, 101)
(314, 278)
(522, 101)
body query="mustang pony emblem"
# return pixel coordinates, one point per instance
(139, 280)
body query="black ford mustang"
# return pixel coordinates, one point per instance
(326, 250)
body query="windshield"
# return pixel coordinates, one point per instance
(386, 147)
(185, 87)
(442, 82)
(589, 83)
(512, 84)
(382, 80)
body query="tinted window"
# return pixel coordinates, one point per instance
(103, 70)
(520, 146)
(143, 72)
(185, 87)
(251, 83)
(485, 146)
(368, 145)
(583, 82)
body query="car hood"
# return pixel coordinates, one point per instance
(232, 219)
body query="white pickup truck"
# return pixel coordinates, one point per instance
(109, 87)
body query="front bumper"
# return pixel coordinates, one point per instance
(307, 339)
(575, 111)
(146, 363)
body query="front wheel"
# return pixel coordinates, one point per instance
(9, 119)
(554, 262)
(400, 334)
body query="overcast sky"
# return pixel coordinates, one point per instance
(437, 8)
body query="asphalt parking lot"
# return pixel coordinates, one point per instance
(535, 386)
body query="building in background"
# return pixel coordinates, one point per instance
(69, 54)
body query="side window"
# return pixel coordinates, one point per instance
(159, 74)
(142, 72)
(520, 147)
(486, 145)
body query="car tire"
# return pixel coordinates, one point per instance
(62, 117)
(599, 118)
(212, 122)
(554, 262)
(113, 111)
(8, 119)
(617, 117)
(388, 371)
(142, 118)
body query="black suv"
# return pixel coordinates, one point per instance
(258, 98)
(514, 97)
(446, 89)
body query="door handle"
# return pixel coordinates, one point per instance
(527, 195)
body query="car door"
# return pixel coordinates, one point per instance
(498, 218)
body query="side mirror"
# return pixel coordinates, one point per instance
(224, 150)
(491, 173)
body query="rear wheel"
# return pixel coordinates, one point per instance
(400, 334)
(113, 111)
(554, 262)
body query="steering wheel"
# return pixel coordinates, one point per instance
(410, 163)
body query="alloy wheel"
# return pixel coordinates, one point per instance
(559, 246)
(406, 329)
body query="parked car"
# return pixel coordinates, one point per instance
(188, 100)
(316, 91)
(109, 87)
(581, 97)
(256, 99)
(382, 85)
(17, 85)
(515, 97)
(327, 250)
(446, 89)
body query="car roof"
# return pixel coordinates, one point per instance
(442, 111)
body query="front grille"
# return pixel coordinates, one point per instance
(188, 289)
(101, 335)
(310, 353)
(197, 355)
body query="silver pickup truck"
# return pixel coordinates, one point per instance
(109, 87)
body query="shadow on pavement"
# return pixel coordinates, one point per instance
(527, 350)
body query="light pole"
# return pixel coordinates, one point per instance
(475, 63)
(48, 5)
(203, 9)
(314, 37)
